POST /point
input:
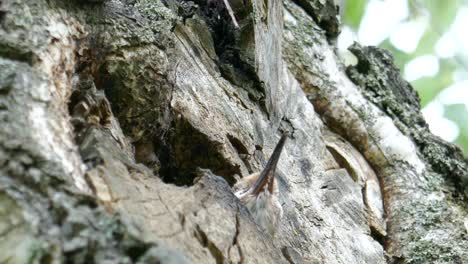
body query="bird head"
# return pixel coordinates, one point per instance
(266, 180)
(259, 193)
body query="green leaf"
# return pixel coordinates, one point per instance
(462, 141)
(429, 87)
(458, 113)
(426, 43)
(442, 13)
(353, 12)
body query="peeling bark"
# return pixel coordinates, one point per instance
(125, 124)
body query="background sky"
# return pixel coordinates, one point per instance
(429, 41)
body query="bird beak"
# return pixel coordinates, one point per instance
(268, 174)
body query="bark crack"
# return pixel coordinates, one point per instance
(203, 239)
(235, 242)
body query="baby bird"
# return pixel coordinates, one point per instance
(259, 193)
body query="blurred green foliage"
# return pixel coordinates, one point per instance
(441, 15)
(354, 12)
(459, 114)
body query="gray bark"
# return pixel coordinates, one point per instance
(124, 124)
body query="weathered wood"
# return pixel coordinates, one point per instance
(125, 124)
(380, 115)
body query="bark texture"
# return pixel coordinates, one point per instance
(125, 122)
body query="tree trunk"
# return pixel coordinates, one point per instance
(125, 122)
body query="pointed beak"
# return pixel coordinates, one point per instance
(268, 174)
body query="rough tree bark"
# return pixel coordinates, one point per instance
(124, 123)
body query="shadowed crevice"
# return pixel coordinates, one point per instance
(185, 149)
